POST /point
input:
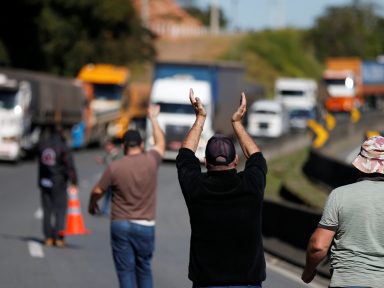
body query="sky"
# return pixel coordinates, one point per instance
(261, 14)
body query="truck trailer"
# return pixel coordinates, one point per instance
(28, 102)
(218, 85)
(352, 83)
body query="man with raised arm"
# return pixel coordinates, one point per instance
(225, 206)
(133, 180)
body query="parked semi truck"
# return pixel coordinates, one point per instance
(105, 86)
(218, 85)
(28, 102)
(299, 96)
(353, 83)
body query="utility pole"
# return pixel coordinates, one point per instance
(214, 18)
(234, 14)
(145, 12)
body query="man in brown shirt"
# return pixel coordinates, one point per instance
(133, 181)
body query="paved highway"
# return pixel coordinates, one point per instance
(86, 261)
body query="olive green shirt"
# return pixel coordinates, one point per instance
(356, 212)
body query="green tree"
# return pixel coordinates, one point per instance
(352, 30)
(66, 34)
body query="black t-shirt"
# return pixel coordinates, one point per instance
(225, 210)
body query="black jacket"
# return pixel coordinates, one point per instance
(225, 209)
(55, 162)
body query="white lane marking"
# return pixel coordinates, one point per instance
(38, 213)
(290, 275)
(35, 249)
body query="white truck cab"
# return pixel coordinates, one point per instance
(15, 97)
(267, 118)
(299, 96)
(176, 112)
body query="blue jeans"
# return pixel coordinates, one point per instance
(132, 249)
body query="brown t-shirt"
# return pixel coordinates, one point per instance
(133, 180)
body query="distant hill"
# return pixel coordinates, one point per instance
(205, 47)
(266, 55)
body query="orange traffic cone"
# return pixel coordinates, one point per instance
(75, 224)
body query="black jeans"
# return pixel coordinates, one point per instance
(54, 201)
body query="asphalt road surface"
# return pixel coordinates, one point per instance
(86, 261)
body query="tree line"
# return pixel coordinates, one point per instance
(60, 36)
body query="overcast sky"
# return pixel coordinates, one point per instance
(260, 14)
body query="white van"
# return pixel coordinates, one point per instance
(268, 118)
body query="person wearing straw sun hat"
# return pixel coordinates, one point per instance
(352, 225)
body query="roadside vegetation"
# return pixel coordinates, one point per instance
(271, 54)
(287, 171)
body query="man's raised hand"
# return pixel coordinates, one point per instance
(239, 113)
(153, 110)
(197, 104)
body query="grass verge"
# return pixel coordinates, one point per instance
(287, 171)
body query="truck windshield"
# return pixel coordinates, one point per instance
(301, 114)
(291, 93)
(329, 82)
(176, 108)
(268, 112)
(107, 91)
(7, 99)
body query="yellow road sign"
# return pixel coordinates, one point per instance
(321, 133)
(330, 121)
(355, 115)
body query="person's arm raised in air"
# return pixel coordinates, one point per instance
(158, 134)
(192, 139)
(246, 142)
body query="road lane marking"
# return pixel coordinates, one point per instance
(38, 213)
(35, 249)
(290, 275)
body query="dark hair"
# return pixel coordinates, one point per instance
(132, 138)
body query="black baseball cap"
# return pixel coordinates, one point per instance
(220, 150)
(132, 138)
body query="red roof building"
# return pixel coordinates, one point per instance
(166, 18)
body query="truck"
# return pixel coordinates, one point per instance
(268, 118)
(105, 86)
(217, 84)
(133, 110)
(29, 101)
(299, 96)
(352, 83)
